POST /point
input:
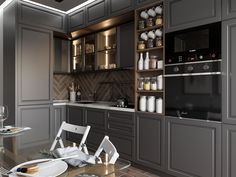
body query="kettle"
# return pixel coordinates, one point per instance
(122, 102)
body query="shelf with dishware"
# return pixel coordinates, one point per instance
(149, 56)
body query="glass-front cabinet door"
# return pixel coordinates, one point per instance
(77, 54)
(89, 53)
(106, 49)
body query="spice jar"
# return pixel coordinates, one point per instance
(141, 24)
(159, 20)
(140, 83)
(147, 83)
(141, 45)
(159, 42)
(150, 43)
(149, 22)
(153, 83)
(153, 62)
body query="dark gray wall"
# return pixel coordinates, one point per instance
(1, 56)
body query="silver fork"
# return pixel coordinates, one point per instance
(4, 171)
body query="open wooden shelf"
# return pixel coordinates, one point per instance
(150, 49)
(149, 70)
(149, 91)
(150, 28)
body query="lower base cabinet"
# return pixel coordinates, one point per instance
(149, 140)
(229, 150)
(39, 118)
(59, 115)
(193, 148)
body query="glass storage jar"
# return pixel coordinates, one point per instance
(141, 24)
(149, 22)
(140, 83)
(147, 83)
(153, 62)
(159, 42)
(153, 83)
(159, 20)
(150, 43)
(141, 45)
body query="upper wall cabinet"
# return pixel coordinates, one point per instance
(228, 9)
(76, 20)
(118, 7)
(181, 14)
(144, 2)
(41, 17)
(96, 11)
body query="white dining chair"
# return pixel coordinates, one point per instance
(107, 146)
(83, 130)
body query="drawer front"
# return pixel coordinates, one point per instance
(121, 117)
(96, 118)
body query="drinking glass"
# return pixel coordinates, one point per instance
(3, 115)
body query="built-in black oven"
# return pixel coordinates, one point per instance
(193, 73)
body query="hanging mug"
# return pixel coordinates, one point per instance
(144, 36)
(151, 13)
(151, 35)
(158, 32)
(144, 15)
(158, 10)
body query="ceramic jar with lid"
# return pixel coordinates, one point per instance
(149, 22)
(140, 83)
(153, 83)
(160, 82)
(141, 24)
(159, 20)
(159, 42)
(141, 45)
(153, 62)
(147, 83)
(159, 105)
(143, 103)
(151, 104)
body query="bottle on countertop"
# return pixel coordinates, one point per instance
(140, 62)
(78, 94)
(146, 62)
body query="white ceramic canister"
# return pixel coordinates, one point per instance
(151, 104)
(159, 64)
(72, 96)
(159, 105)
(142, 103)
(160, 82)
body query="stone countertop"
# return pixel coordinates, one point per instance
(97, 104)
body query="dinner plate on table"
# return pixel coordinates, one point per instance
(9, 130)
(45, 169)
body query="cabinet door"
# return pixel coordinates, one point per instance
(34, 66)
(229, 150)
(59, 115)
(76, 20)
(181, 14)
(96, 118)
(144, 2)
(118, 7)
(125, 45)
(193, 148)
(228, 9)
(96, 11)
(229, 70)
(39, 119)
(149, 140)
(75, 115)
(41, 17)
(61, 56)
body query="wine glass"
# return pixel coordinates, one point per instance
(3, 115)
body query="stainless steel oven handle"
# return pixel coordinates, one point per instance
(192, 74)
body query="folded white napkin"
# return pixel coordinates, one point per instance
(82, 159)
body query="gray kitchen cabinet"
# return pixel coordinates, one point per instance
(62, 61)
(228, 9)
(58, 115)
(75, 115)
(229, 150)
(96, 118)
(40, 120)
(182, 14)
(144, 2)
(193, 148)
(125, 45)
(34, 65)
(119, 7)
(41, 17)
(121, 130)
(96, 12)
(149, 140)
(76, 20)
(229, 70)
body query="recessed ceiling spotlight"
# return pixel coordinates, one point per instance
(59, 0)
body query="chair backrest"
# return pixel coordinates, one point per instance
(107, 146)
(83, 130)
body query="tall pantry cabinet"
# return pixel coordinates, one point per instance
(28, 53)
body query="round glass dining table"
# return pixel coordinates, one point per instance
(12, 155)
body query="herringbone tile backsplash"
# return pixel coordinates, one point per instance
(108, 85)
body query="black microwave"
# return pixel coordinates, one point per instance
(194, 44)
